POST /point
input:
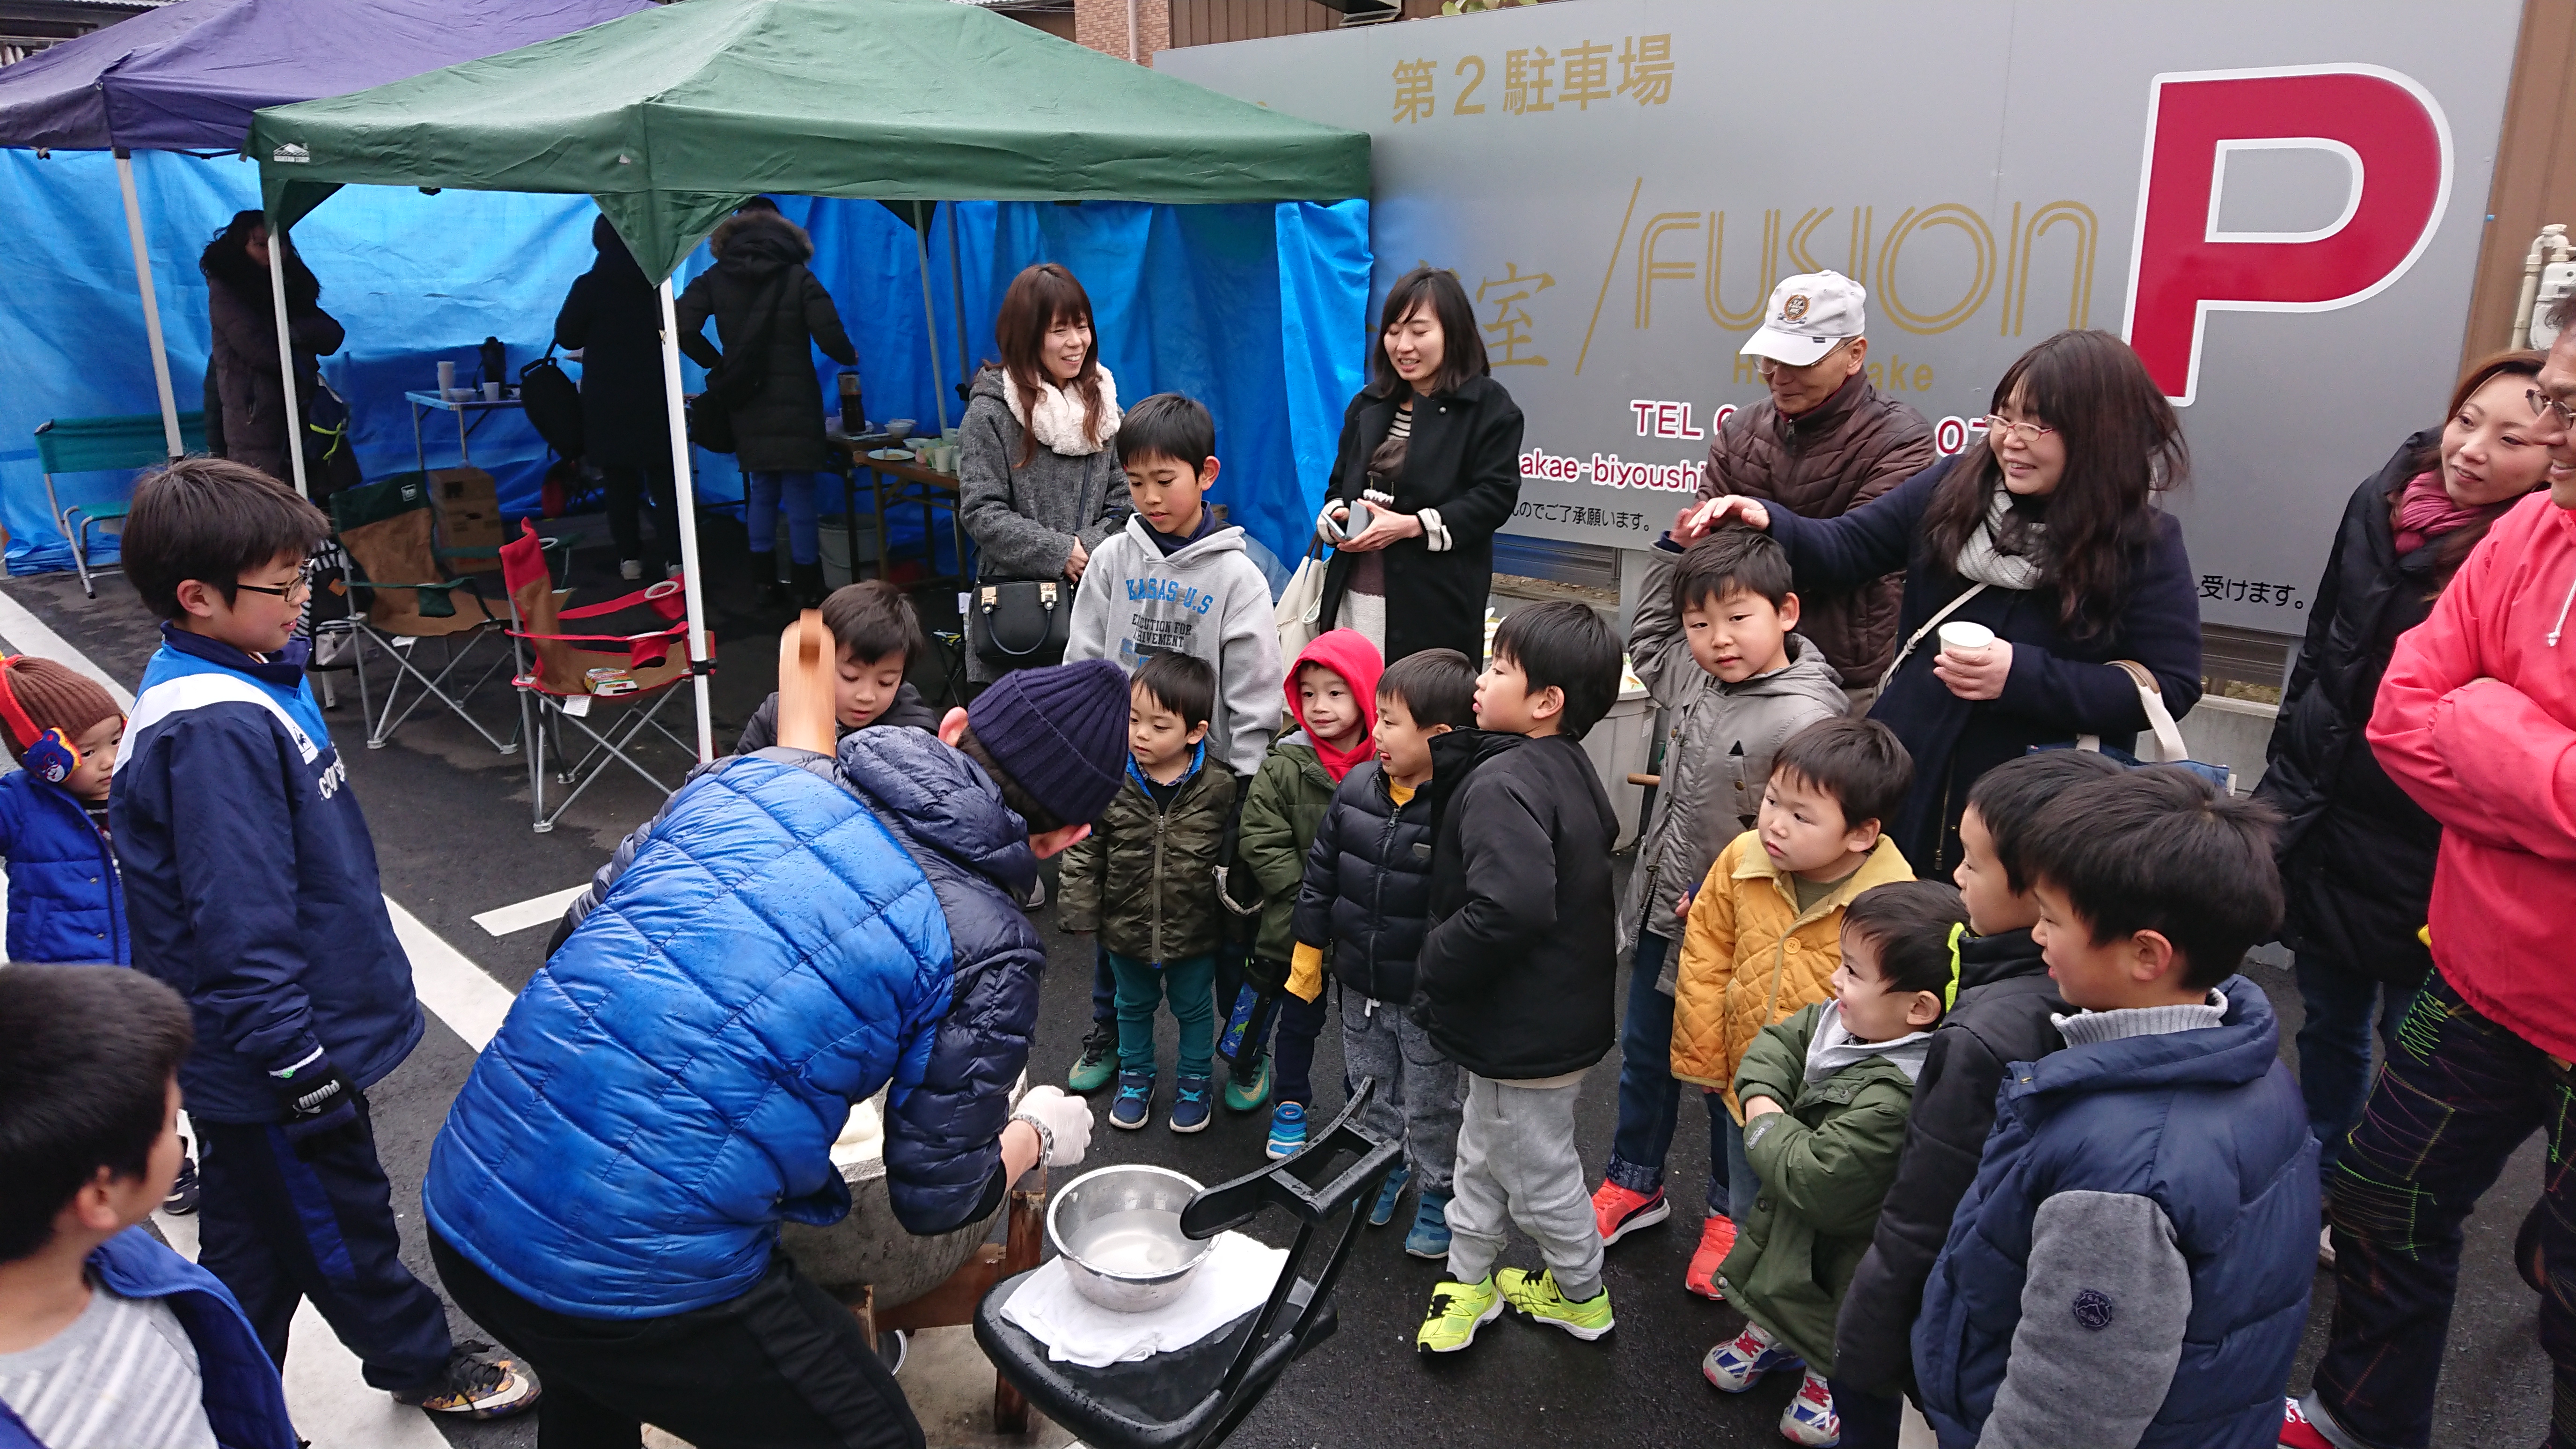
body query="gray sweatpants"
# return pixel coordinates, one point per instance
(1416, 1100)
(1517, 1164)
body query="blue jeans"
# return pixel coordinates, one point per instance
(1649, 1097)
(2334, 1048)
(763, 495)
(1190, 985)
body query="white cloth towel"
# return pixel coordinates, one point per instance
(1058, 417)
(1235, 1280)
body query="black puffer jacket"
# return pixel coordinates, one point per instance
(613, 317)
(1516, 974)
(1145, 878)
(2356, 851)
(2001, 1016)
(760, 258)
(1367, 892)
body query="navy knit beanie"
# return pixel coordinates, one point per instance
(1060, 732)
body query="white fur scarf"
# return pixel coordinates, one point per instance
(1057, 419)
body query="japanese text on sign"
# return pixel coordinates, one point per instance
(1536, 79)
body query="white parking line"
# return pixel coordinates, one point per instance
(537, 911)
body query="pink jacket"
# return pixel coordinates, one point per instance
(2477, 720)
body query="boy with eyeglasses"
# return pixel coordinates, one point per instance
(1827, 440)
(251, 890)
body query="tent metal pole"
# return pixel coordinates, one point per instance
(957, 291)
(151, 304)
(930, 319)
(286, 361)
(685, 496)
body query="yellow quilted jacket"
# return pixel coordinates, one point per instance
(1750, 958)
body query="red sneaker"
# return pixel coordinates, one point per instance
(1619, 1212)
(1716, 1240)
(2297, 1432)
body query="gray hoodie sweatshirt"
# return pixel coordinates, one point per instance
(1718, 743)
(1207, 600)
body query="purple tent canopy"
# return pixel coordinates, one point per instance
(187, 76)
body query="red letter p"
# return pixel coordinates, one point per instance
(2182, 267)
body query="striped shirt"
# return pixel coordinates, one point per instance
(123, 1376)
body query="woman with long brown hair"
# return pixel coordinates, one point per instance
(246, 396)
(2046, 532)
(2357, 852)
(1035, 461)
(1430, 465)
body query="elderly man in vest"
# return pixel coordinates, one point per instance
(1822, 444)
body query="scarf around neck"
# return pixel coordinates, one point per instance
(2425, 512)
(1055, 417)
(1981, 560)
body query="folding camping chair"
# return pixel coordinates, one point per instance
(394, 567)
(123, 443)
(1196, 1396)
(565, 680)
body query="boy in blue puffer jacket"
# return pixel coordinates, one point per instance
(250, 884)
(793, 933)
(2133, 1264)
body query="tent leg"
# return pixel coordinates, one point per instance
(151, 304)
(685, 489)
(957, 293)
(286, 357)
(930, 320)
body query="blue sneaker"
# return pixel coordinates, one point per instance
(1430, 1235)
(1739, 1363)
(1384, 1212)
(1135, 1100)
(1190, 1100)
(1287, 1130)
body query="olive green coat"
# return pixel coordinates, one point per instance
(1825, 1164)
(1281, 812)
(1145, 878)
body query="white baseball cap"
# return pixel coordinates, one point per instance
(1808, 314)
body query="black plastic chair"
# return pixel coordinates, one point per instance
(1197, 1396)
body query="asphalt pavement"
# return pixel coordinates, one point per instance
(450, 819)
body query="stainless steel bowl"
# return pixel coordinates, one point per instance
(1119, 1229)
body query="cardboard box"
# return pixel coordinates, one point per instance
(468, 504)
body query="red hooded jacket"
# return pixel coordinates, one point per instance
(2477, 720)
(1348, 653)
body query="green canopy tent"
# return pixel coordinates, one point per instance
(672, 117)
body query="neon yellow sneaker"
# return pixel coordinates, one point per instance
(1457, 1311)
(1536, 1295)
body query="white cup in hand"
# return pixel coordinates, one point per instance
(1966, 639)
(1068, 1117)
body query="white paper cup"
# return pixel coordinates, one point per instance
(447, 379)
(1963, 637)
(491, 392)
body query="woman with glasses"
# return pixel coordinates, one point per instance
(2356, 853)
(2045, 533)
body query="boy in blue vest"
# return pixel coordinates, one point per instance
(251, 890)
(2134, 1262)
(106, 1336)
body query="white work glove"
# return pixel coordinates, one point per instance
(1063, 1123)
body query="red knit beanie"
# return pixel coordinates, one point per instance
(54, 697)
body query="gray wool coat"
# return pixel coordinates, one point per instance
(1025, 518)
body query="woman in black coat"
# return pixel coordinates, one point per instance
(778, 431)
(613, 318)
(2050, 520)
(249, 398)
(1433, 447)
(2356, 852)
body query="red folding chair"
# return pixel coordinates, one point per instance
(566, 682)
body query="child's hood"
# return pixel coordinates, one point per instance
(1807, 675)
(1348, 653)
(1198, 553)
(1834, 1049)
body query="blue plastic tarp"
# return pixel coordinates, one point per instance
(1255, 309)
(186, 76)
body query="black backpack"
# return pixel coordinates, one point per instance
(553, 403)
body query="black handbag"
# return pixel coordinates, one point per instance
(552, 401)
(736, 378)
(1026, 621)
